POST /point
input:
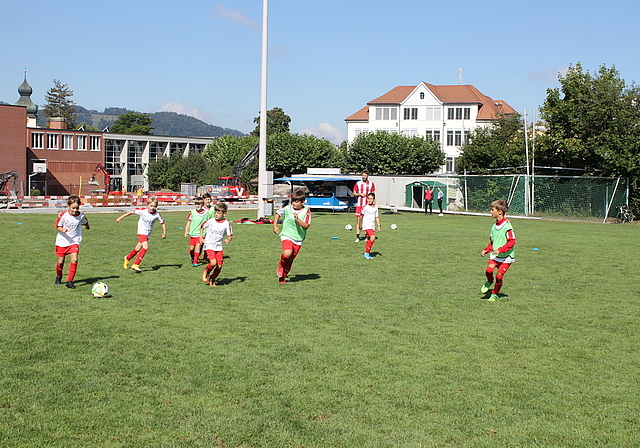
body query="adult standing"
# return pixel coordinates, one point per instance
(361, 189)
(440, 199)
(428, 200)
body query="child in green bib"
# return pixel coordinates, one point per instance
(296, 219)
(502, 242)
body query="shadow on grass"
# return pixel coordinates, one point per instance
(487, 294)
(160, 266)
(226, 281)
(304, 277)
(91, 280)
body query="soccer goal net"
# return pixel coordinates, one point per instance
(563, 197)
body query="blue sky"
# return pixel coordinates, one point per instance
(327, 58)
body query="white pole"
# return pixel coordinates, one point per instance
(526, 151)
(533, 160)
(262, 153)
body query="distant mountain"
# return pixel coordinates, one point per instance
(164, 123)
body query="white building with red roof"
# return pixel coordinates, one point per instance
(442, 113)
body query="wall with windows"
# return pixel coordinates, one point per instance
(70, 156)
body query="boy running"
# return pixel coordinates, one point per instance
(502, 241)
(69, 226)
(195, 219)
(369, 220)
(215, 229)
(146, 222)
(296, 219)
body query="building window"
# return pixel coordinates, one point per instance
(135, 158)
(52, 141)
(421, 95)
(450, 164)
(36, 140)
(82, 142)
(195, 148)
(466, 137)
(156, 150)
(386, 113)
(67, 142)
(467, 113)
(433, 135)
(433, 113)
(410, 132)
(410, 113)
(458, 138)
(177, 147)
(449, 138)
(459, 113)
(450, 113)
(113, 148)
(95, 142)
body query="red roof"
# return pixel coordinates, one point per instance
(451, 94)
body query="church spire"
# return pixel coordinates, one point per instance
(25, 92)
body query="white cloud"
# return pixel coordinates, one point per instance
(325, 130)
(231, 15)
(549, 74)
(175, 106)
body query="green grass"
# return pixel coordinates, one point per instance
(399, 351)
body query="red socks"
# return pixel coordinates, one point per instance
(73, 267)
(140, 256)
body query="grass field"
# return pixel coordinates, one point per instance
(399, 351)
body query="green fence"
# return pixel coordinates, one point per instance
(588, 198)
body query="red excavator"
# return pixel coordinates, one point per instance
(107, 179)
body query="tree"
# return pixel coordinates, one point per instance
(382, 153)
(594, 124)
(58, 103)
(171, 172)
(226, 151)
(289, 154)
(277, 121)
(499, 146)
(132, 123)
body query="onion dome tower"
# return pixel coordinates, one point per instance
(25, 92)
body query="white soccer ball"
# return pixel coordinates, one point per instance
(100, 290)
(348, 227)
(394, 227)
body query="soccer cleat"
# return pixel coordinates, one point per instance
(136, 268)
(126, 263)
(368, 256)
(212, 283)
(493, 298)
(440, 214)
(70, 285)
(357, 239)
(195, 265)
(282, 280)
(58, 281)
(484, 288)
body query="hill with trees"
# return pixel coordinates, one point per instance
(163, 123)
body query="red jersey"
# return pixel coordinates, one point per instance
(365, 187)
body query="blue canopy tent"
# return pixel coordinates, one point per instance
(332, 192)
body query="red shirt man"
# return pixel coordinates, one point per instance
(361, 189)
